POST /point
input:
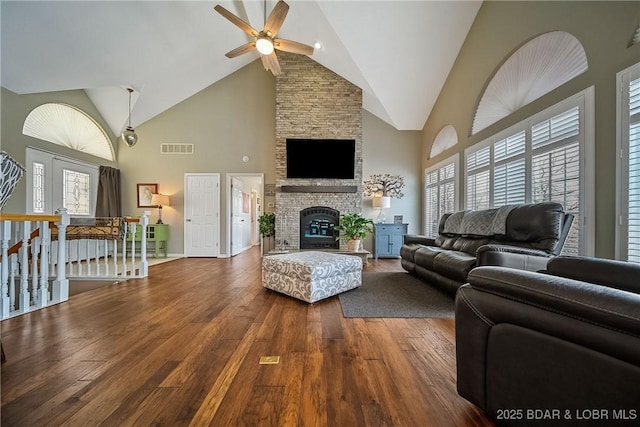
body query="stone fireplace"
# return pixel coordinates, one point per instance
(314, 102)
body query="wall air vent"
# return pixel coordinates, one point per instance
(176, 148)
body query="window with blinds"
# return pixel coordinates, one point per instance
(440, 193)
(634, 171)
(629, 233)
(535, 161)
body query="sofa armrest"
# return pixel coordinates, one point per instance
(596, 304)
(512, 256)
(419, 239)
(611, 273)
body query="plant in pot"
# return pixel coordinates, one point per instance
(267, 229)
(354, 227)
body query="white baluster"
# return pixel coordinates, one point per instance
(12, 282)
(97, 245)
(87, 252)
(133, 250)
(115, 255)
(35, 249)
(106, 257)
(4, 274)
(24, 269)
(45, 238)
(61, 284)
(130, 229)
(144, 264)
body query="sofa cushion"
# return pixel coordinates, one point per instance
(408, 251)
(446, 242)
(454, 264)
(425, 256)
(469, 245)
(537, 224)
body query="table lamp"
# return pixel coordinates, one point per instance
(160, 200)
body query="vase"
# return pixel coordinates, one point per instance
(353, 245)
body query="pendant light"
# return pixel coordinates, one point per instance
(129, 136)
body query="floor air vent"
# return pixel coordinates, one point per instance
(175, 148)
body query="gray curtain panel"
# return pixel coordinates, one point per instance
(109, 203)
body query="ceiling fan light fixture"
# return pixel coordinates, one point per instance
(129, 136)
(264, 45)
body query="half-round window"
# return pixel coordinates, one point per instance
(537, 68)
(446, 138)
(70, 127)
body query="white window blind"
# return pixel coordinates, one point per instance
(440, 194)
(633, 244)
(478, 191)
(535, 161)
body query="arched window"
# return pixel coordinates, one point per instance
(537, 68)
(446, 138)
(70, 127)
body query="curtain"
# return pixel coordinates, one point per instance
(109, 203)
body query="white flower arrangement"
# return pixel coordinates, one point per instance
(384, 185)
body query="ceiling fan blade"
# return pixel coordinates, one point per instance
(292, 47)
(240, 50)
(236, 21)
(271, 63)
(276, 18)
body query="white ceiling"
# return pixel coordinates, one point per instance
(398, 52)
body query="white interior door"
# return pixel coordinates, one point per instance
(202, 215)
(237, 219)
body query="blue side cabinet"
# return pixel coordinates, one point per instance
(387, 239)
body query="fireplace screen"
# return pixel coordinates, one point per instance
(317, 228)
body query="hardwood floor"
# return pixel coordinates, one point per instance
(182, 346)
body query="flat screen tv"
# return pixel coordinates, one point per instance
(321, 158)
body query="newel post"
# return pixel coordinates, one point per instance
(60, 290)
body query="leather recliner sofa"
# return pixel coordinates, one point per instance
(554, 347)
(518, 236)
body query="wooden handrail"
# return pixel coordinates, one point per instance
(28, 217)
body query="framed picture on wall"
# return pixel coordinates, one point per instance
(144, 195)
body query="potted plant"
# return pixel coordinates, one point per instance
(355, 228)
(267, 229)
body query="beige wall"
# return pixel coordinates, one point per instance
(387, 150)
(603, 28)
(226, 121)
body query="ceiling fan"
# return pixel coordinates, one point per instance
(265, 42)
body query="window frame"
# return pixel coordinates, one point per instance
(623, 79)
(585, 100)
(455, 160)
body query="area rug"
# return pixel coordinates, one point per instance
(395, 294)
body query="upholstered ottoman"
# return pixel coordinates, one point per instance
(311, 276)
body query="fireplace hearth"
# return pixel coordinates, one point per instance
(317, 228)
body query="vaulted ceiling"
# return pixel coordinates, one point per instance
(398, 52)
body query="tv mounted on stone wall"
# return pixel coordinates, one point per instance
(321, 158)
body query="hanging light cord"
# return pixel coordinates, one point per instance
(130, 90)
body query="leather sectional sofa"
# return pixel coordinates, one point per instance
(520, 236)
(553, 348)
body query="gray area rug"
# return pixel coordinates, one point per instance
(395, 294)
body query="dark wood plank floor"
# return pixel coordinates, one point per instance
(182, 346)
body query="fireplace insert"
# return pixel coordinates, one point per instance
(317, 228)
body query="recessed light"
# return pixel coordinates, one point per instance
(317, 45)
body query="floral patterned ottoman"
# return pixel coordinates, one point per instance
(311, 276)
